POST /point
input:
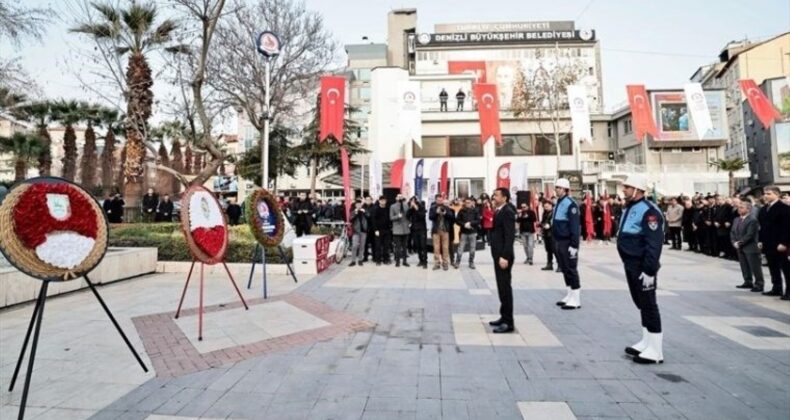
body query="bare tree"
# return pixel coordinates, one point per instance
(541, 95)
(16, 24)
(237, 69)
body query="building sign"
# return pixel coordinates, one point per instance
(521, 37)
(675, 123)
(504, 26)
(575, 179)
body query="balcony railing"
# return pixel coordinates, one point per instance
(598, 167)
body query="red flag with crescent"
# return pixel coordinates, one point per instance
(588, 218)
(476, 67)
(333, 94)
(488, 110)
(760, 104)
(344, 163)
(443, 180)
(503, 176)
(396, 173)
(641, 113)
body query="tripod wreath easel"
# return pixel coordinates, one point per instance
(206, 231)
(268, 225)
(54, 231)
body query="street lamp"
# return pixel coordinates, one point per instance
(268, 44)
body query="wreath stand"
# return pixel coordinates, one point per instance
(200, 302)
(263, 265)
(35, 320)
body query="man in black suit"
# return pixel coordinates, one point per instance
(502, 237)
(774, 241)
(743, 236)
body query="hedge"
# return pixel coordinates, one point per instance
(169, 240)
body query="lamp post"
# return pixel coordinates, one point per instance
(268, 44)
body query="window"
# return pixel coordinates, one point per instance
(465, 146)
(609, 130)
(516, 145)
(545, 146)
(363, 75)
(364, 93)
(449, 146)
(627, 126)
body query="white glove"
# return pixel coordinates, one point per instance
(573, 252)
(648, 282)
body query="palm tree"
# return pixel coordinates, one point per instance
(119, 182)
(109, 119)
(25, 147)
(136, 33)
(68, 113)
(9, 99)
(89, 160)
(731, 166)
(39, 113)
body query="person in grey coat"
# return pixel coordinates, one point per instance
(743, 236)
(359, 225)
(400, 229)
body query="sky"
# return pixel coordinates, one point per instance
(656, 43)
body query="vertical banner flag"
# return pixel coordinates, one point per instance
(760, 104)
(443, 179)
(607, 215)
(333, 95)
(588, 219)
(580, 113)
(409, 115)
(503, 176)
(516, 175)
(375, 179)
(476, 67)
(407, 178)
(346, 180)
(396, 173)
(488, 110)
(433, 180)
(641, 114)
(698, 106)
(418, 172)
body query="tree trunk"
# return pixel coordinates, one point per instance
(313, 174)
(140, 100)
(20, 170)
(732, 183)
(45, 157)
(69, 153)
(557, 146)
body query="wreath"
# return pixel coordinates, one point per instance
(264, 217)
(204, 225)
(52, 229)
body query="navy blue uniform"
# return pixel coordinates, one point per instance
(639, 242)
(566, 231)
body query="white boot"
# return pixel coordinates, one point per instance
(575, 301)
(638, 347)
(564, 300)
(654, 352)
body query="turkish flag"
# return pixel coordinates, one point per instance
(346, 180)
(396, 173)
(488, 109)
(503, 176)
(476, 67)
(760, 104)
(641, 113)
(333, 94)
(443, 180)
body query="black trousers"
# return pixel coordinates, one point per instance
(419, 239)
(370, 246)
(674, 237)
(645, 300)
(568, 265)
(399, 242)
(548, 243)
(712, 241)
(777, 266)
(691, 237)
(505, 289)
(302, 229)
(724, 245)
(751, 266)
(381, 251)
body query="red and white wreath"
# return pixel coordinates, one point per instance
(206, 223)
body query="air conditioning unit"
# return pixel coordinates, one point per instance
(620, 152)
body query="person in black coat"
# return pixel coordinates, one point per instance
(369, 242)
(442, 219)
(774, 240)
(234, 213)
(382, 231)
(502, 237)
(687, 224)
(164, 213)
(722, 221)
(115, 209)
(303, 215)
(526, 219)
(359, 225)
(418, 229)
(150, 204)
(545, 231)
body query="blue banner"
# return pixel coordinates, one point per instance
(418, 171)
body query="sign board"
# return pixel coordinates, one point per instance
(575, 179)
(674, 120)
(566, 25)
(504, 38)
(268, 44)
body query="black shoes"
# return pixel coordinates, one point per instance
(547, 268)
(772, 293)
(472, 265)
(756, 289)
(504, 329)
(745, 286)
(405, 264)
(353, 263)
(496, 323)
(785, 297)
(397, 263)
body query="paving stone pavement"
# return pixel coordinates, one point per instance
(727, 351)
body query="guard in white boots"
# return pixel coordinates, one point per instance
(566, 232)
(639, 242)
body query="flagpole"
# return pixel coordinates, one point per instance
(265, 146)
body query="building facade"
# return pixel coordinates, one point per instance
(769, 149)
